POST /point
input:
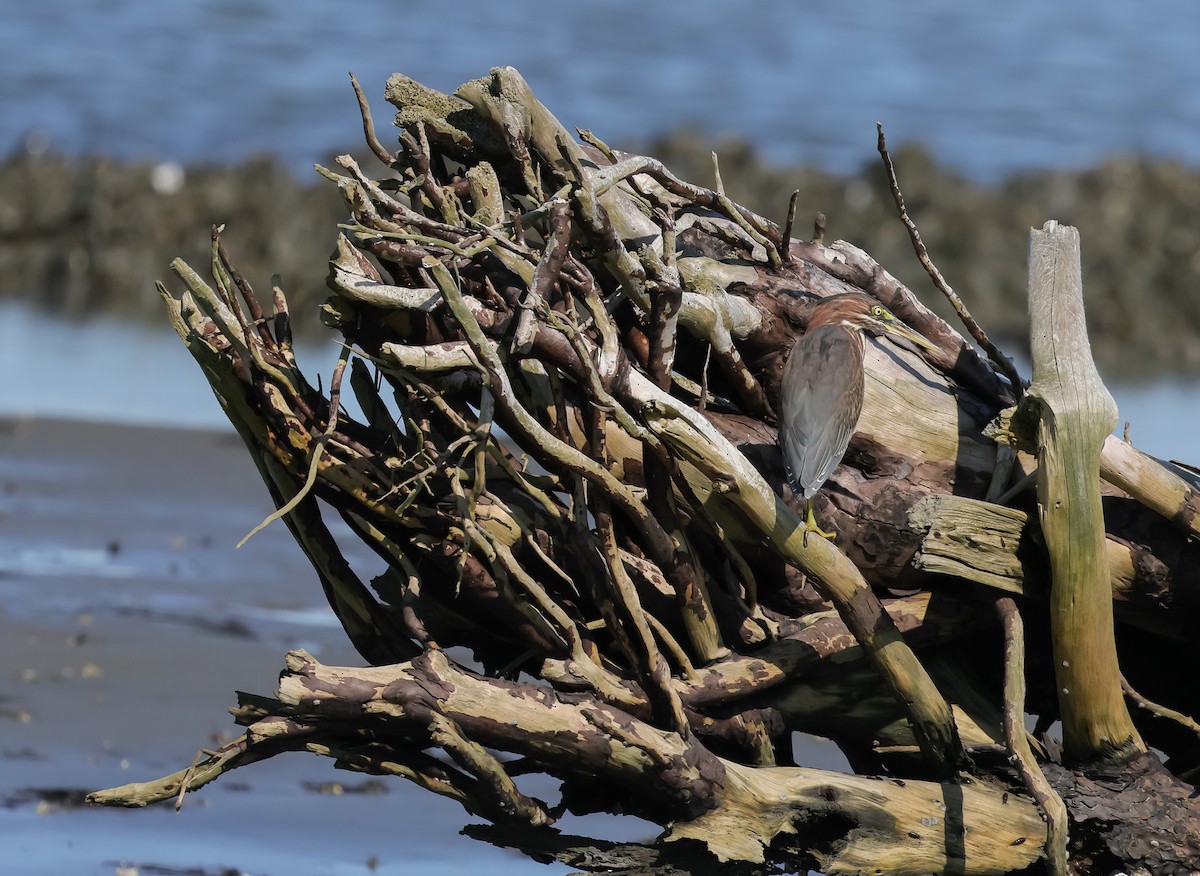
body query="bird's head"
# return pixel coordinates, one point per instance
(857, 310)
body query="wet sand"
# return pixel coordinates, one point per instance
(127, 622)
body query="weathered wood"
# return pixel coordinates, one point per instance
(568, 360)
(905, 827)
(972, 540)
(1053, 810)
(1075, 415)
(1153, 484)
(841, 582)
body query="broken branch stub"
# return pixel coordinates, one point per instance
(1075, 415)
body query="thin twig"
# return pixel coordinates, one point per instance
(549, 269)
(774, 250)
(258, 319)
(673, 648)
(1157, 710)
(335, 393)
(1054, 811)
(189, 773)
(976, 331)
(759, 229)
(369, 126)
(793, 201)
(587, 136)
(419, 155)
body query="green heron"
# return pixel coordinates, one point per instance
(822, 391)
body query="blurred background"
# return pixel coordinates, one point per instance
(127, 128)
(130, 127)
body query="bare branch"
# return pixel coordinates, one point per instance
(977, 332)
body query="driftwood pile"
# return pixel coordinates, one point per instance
(568, 362)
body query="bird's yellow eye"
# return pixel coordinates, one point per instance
(880, 312)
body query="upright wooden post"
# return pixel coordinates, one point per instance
(1075, 415)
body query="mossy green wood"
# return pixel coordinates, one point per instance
(1075, 414)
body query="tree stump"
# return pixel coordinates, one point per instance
(568, 360)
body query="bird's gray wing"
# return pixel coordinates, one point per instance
(821, 399)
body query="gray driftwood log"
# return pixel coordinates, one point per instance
(568, 361)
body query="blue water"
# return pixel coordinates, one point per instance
(990, 88)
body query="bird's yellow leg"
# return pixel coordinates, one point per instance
(810, 524)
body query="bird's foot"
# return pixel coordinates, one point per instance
(810, 525)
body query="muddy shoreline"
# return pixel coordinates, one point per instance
(127, 622)
(84, 236)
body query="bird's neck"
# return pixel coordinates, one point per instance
(820, 319)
